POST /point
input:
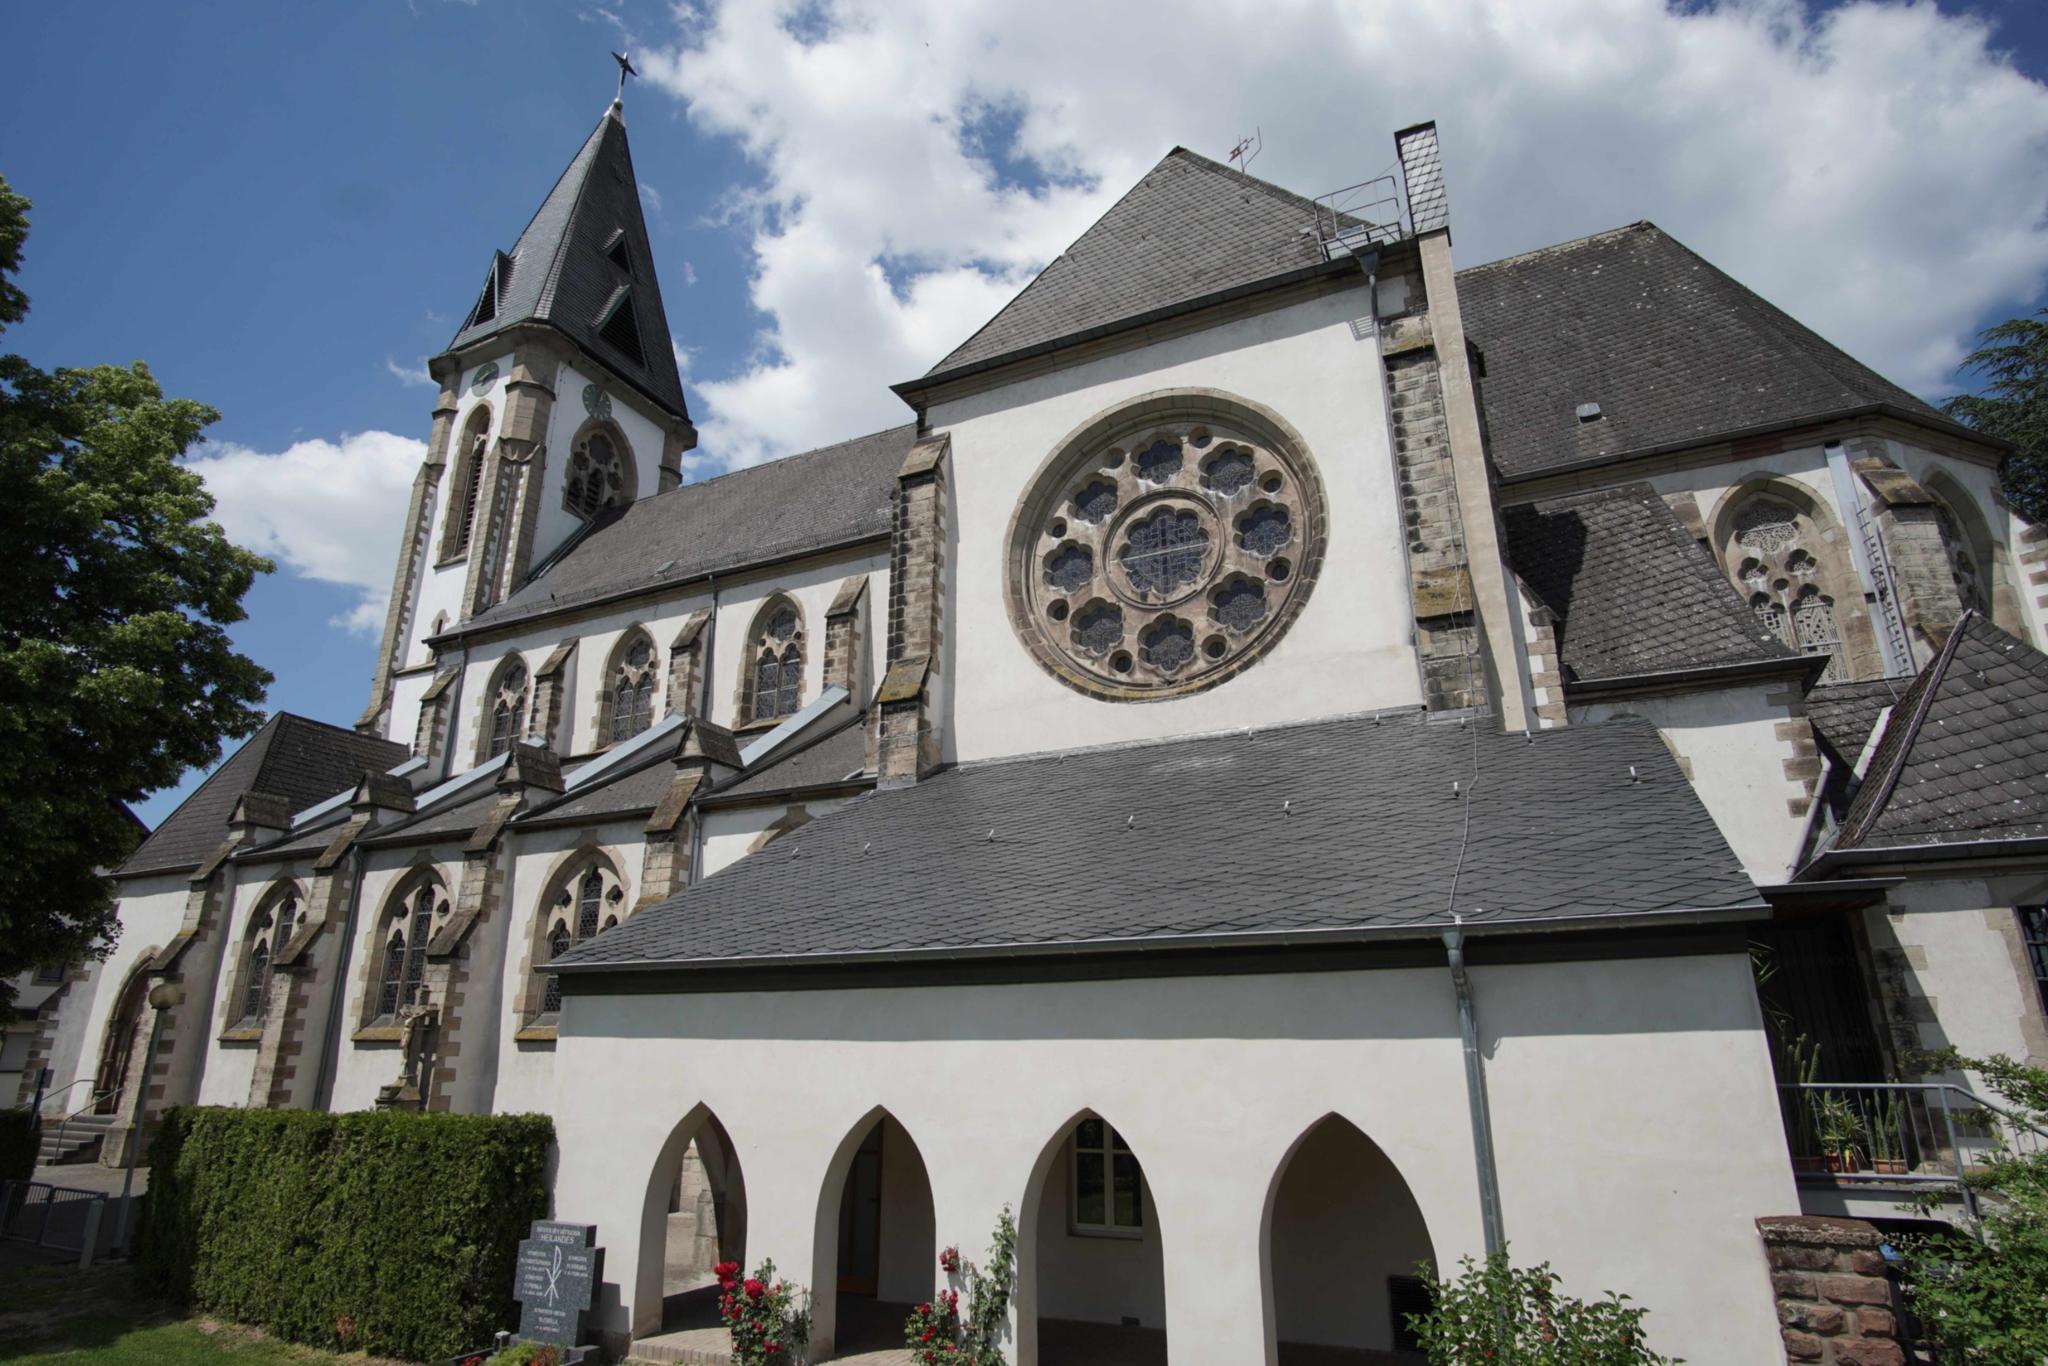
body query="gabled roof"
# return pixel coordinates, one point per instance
(292, 757)
(584, 262)
(1337, 825)
(1190, 228)
(1964, 756)
(1633, 592)
(833, 496)
(1672, 349)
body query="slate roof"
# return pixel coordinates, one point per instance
(1671, 348)
(456, 820)
(301, 760)
(1843, 713)
(832, 759)
(633, 792)
(1337, 824)
(833, 496)
(1634, 593)
(561, 275)
(1190, 228)
(1964, 755)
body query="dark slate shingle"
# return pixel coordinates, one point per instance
(835, 495)
(1343, 823)
(301, 760)
(1671, 348)
(560, 274)
(1843, 714)
(1190, 228)
(1964, 755)
(833, 759)
(1634, 593)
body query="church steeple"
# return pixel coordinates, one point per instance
(583, 267)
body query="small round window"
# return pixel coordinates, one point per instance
(1161, 555)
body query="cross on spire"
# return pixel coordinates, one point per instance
(625, 70)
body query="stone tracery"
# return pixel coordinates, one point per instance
(1159, 556)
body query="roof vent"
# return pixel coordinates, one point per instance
(495, 285)
(616, 251)
(619, 328)
(1589, 412)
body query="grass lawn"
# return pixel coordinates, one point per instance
(53, 1314)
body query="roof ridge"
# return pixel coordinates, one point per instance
(1930, 683)
(1279, 191)
(1639, 225)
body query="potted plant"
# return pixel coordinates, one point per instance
(1839, 1125)
(1801, 1061)
(1887, 1136)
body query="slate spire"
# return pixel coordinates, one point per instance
(583, 267)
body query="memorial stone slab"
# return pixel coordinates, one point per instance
(560, 1267)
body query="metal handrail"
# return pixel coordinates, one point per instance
(65, 1123)
(82, 1081)
(1358, 217)
(1908, 1131)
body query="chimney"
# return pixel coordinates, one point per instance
(1422, 172)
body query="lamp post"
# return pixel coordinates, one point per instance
(162, 997)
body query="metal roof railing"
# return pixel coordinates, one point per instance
(1360, 218)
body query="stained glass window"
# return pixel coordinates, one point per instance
(596, 478)
(1159, 461)
(508, 708)
(632, 699)
(589, 903)
(778, 665)
(551, 994)
(1230, 473)
(257, 988)
(394, 975)
(1070, 568)
(1099, 627)
(2034, 931)
(1096, 501)
(1263, 530)
(1169, 644)
(1164, 552)
(1239, 604)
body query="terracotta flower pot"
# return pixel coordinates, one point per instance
(1889, 1166)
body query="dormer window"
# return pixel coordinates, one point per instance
(617, 252)
(620, 329)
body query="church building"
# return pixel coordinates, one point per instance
(1292, 760)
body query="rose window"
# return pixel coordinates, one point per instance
(1159, 557)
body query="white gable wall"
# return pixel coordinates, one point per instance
(1316, 364)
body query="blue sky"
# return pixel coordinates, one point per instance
(285, 208)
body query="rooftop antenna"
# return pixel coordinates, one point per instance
(625, 70)
(1247, 148)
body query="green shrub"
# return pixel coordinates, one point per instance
(392, 1233)
(17, 1144)
(1514, 1316)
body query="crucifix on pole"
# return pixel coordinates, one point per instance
(625, 70)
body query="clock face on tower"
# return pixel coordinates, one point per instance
(481, 382)
(596, 401)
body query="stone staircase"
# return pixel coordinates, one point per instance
(77, 1139)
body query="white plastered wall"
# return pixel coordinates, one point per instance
(150, 909)
(730, 831)
(567, 417)
(1726, 739)
(1966, 960)
(1634, 1112)
(1316, 364)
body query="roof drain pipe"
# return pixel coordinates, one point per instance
(1475, 1093)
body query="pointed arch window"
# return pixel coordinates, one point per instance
(269, 930)
(629, 694)
(597, 473)
(1962, 560)
(408, 928)
(472, 450)
(588, 901)
(1771, 554)
(774, 687)
(508, 710)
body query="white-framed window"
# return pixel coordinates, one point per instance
(1107, 1190)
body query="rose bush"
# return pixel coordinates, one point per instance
(935, 1332)
(769, 1320)
(1514, 1316)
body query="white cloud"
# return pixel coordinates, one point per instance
(1874, 168)
(326, 510)
(652, 197)
(413, 376)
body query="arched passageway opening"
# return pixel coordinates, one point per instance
(117, 1047)
(1091, 1261)
(877, 1252)
(1343, 1240)
(694, 1216)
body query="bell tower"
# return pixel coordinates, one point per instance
(560, 404)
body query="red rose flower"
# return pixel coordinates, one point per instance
(754, 1289)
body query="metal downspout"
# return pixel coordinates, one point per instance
(330, 1047)
(1475, 1095)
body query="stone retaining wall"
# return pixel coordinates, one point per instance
(1834, 1299)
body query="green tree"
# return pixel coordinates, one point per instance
(2013, 360)
(1985, 1299)
(116, 672)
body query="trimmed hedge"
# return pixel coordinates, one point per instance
(387, 1232)
(18, 1141)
